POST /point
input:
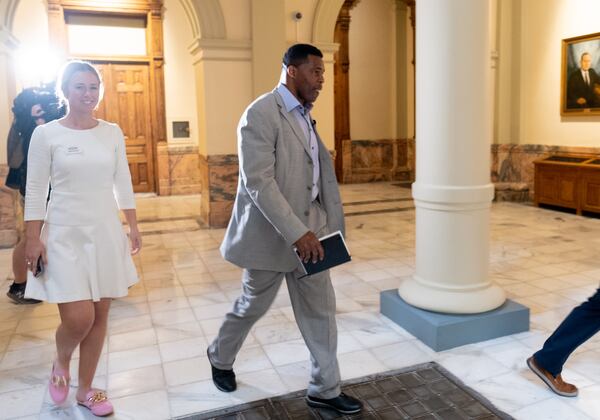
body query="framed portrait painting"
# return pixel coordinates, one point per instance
(580, 75)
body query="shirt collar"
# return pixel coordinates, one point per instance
(290, 101)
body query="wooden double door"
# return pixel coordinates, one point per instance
(127, 103)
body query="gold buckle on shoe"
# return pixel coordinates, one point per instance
(98, 397)
(59, 380)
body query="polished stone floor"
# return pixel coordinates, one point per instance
(154, 362)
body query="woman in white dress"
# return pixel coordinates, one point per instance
(79, 237)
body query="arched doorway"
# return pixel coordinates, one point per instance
(373, 90)
(341, 88)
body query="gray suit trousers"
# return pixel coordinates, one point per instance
(313, 303)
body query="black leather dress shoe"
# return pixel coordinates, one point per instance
(224, 380)
(343, 403)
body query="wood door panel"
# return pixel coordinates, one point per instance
(567, 191)
(139, 149)
(568, 188)
(127, 103)
(548, 189)
(590, 181)
(592, 195)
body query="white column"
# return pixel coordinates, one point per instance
(452, 192)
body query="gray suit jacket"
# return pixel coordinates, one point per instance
(270, 212)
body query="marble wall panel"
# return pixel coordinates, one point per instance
(183, 171)
(9, 212)
(378, 160)
(513, 163)
(219, 177)
(178, 169)
(223, 177)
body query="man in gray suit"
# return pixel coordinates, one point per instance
(287, 197)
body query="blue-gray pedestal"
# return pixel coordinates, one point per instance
(445, 331)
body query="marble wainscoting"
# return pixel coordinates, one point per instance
(10, 212)
(513, 168)
(378, 160)
(219, 178)
(178, 169)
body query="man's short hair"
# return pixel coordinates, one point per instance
(298, 54)
(584, 54)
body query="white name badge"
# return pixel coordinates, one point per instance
(74, 150)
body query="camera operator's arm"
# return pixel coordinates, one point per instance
(14, 148)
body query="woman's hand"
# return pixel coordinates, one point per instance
(134, 233)
(34, 249)
(136, 240)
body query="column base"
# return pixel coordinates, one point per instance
(450, 301)
(445, 331)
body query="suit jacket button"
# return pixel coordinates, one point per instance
(306, 213)
(309, 188)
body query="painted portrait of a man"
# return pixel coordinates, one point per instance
(581, 75)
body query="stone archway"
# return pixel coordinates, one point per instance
(326, 14)
(341, 90)
(7, 13)
(395, 154)
(206, 18)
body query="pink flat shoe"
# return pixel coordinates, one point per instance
(59, 385)
(98, 403)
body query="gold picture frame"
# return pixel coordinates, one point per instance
(580, 76)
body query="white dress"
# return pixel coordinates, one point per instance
(87, 248)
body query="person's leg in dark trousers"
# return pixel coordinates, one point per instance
(581, 324)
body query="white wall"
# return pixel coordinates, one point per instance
(323, 111)
(180, 81)
(30, 24)
(30, 27)
(544, 24)
(226, 91)
(405, 89)
(299, 31)
(372, 71)
(237, 15)
(507, 103)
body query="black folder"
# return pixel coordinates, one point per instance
(336, 253)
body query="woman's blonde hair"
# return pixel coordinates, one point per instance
(66, 73)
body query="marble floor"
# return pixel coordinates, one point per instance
(154, 363)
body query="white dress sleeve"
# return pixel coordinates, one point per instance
(39, 160)
(123, 188)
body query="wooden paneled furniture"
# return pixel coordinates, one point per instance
(568, 181)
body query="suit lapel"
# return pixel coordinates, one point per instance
(293, 122)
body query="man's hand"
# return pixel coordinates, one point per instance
(309, 247)
(581, 101)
